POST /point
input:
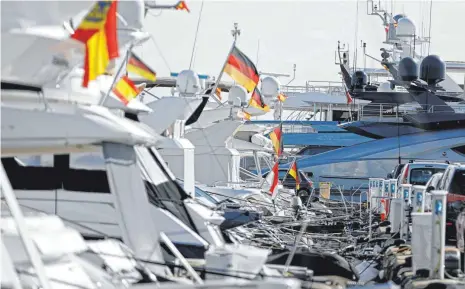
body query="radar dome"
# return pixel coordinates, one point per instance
(188, 82)
(408, 69)
(385, 87)
(432, 69)
(405, 28)
(236, 93)
(359, 79)
(398, 16)
(270, 87)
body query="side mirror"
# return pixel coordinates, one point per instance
(310, 174)
(389, 176)
(429, 188)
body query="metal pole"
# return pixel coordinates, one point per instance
(181, 258)
(31, 249)
(259, 167)
(116, 75)
(236, 32)
(297, 240)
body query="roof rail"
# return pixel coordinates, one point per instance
(428, 161)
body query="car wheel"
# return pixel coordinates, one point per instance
(303, 193)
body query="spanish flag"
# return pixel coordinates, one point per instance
(126, 90)
(273, 192)
(182, 6)
(282, 97)
(293, 172)
(256, 100)
(98, 31)
(242, 69)
(137, 66)
(276, 139)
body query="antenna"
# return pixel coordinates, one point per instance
(430, 16)
(258, 51)
(235, 32)
(293, 77)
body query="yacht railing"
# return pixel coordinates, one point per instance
(388, 111)
(327, 87)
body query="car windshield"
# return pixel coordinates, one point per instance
(421, 176)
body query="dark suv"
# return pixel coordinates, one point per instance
(289, 182)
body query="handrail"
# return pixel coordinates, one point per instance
(389, 110)
(31, 249)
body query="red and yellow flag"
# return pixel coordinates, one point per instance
(98, 31)
(243, 114)
(182, 6)
(349, 97)
(137, 66)
(282, 97)
(273, 192)
(242, 69)
(276, 139)
(293, 172)
(256, 100)
(126, 90)
(218, 93)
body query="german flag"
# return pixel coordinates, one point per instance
(242, 69)
(98, 31)
(276, 139)
(126, 90)
(273, 192)
(256, 100)
(282, 97)
(137, 66)
(182, 6)
(293, 172)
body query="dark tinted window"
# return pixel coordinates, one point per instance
(397, 170)
(421, 176)
(309, 151)
(458, 183)
(459, 150)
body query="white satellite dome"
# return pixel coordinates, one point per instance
(405, 28)
(237, 96)
(385, 87)
(188, 83)
(271, 87)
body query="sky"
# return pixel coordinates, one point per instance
(284, 33)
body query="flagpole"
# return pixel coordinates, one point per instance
(115, 78)
(236, 32)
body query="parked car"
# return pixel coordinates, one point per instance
(418, 173)
(395, 172)
(288, 182)
(453, 181)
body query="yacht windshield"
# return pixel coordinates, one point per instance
(201, 194)
(161, 188)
